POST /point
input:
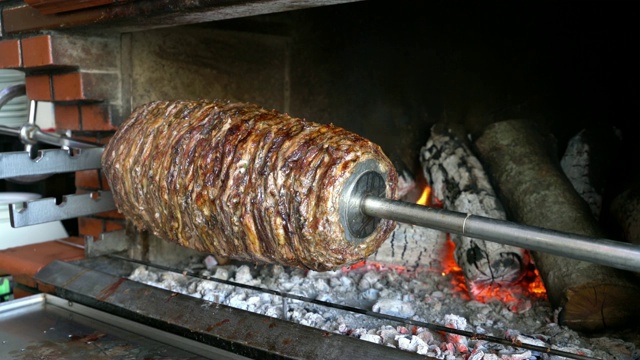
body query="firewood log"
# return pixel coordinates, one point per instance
(535, 192)
(625, 209)
(458, 179)
(586, 162)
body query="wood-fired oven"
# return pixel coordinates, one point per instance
(476, 102)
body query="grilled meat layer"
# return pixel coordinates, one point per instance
(241, 181)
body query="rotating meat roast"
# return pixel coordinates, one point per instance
(244, 182)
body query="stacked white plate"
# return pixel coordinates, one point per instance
(15, 112)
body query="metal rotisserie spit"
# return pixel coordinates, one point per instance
(274, 236)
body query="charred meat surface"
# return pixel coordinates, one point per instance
(241, 181)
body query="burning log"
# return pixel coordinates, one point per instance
(412, 246)
(536, 192)
(458, 179)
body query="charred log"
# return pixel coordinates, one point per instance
(458, 180)
(535, 192)
(412, 247)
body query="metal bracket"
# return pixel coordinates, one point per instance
(72, 206)
(53, 161)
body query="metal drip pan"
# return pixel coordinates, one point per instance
(47, 327)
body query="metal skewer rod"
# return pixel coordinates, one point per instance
(600, 251)
(30, 133)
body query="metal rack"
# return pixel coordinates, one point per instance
(29, 165)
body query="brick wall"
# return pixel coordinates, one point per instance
(80, 75)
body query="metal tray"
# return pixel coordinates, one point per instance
(47, 327)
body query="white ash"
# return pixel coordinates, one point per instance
(425, 296)
(210, 262)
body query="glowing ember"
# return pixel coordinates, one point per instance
(354, 266)
(516, 295)
(530, 286)
(373, 265)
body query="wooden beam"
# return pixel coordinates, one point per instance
(148, 14)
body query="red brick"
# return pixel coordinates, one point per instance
(113, 225)
(38, 87)
(67, 117)
(90, 226)
(105, 139)
(105, 183)
(80, 85)
(10, 54)
(68, 87)
(64, 51)
(113, 214)
(91, 180)
(96, 117)
(19, 293)
(91, 139)
(23, 262)
(98, 138)
(36, 51)
(88, 179)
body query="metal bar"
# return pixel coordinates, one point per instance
(46, 210)
(52, 161)
(600, 251)
(34, 134)
(30, 133)
(5, 130)
(62, 241)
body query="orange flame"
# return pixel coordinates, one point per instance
(450, 268)
(536, 286)
(424, 198)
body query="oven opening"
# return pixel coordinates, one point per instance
(448, 94)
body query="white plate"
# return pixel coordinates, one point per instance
(11, 197)
(13, 123)
(13, 107)
(11, 114)
(10, 75)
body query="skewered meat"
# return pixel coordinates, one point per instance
(240, 181)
